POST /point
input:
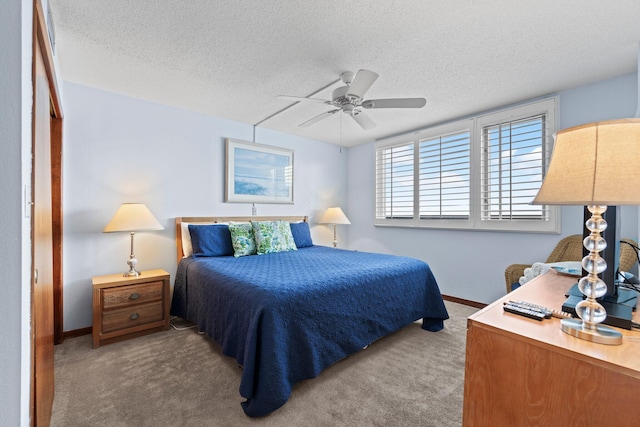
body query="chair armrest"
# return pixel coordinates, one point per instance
(513, 273)
(628, 255)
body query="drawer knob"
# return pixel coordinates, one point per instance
(134, 296)
(134, 316)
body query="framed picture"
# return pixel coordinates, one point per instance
(258, 173)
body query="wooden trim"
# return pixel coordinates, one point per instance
(39, 406)
(222, 219)
(57, 228)
(77, 332)
(47, 52)
(42, 38)
(464, 301)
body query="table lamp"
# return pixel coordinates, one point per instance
(334, 216)
(594, 165)
(132, 217)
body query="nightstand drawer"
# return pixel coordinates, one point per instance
(128, 317)
(132, 294)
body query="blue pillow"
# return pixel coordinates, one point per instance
(301, 234)
(210, 240)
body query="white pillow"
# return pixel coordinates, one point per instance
(187, 247)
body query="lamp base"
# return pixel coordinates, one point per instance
(619, 307)
(132, 261)
(131, 273)
(601, 334)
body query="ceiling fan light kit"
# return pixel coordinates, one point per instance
(349, 99)
(347, 77)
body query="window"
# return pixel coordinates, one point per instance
(444, 176)
(479, 173)
(395, 180)
(513, 165)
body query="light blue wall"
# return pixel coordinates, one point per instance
(104, 165)
(120, 149)
(15, 173)
(610, 99)
(470, 264)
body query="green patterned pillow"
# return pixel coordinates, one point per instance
(287, 235)
(242, 239)
(273, 236)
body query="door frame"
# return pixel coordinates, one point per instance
(42, 45)
(41, 37)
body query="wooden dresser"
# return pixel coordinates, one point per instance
(125, 307)
(524, 372)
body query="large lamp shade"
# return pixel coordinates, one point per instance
(334, 216)
(132, 217)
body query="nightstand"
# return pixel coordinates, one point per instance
(127, 307)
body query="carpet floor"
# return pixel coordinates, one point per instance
(180, 378)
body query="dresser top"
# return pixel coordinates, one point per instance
(549, 290)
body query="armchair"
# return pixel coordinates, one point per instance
(570, 249)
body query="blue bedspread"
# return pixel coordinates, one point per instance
(287, 316)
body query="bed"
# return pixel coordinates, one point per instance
(286, 316)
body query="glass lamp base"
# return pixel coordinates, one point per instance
(132, 261)
(601, 335)
(131, 273)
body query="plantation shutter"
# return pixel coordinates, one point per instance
(514, 160)
(395, 182)
(444, 181)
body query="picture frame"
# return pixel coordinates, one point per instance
(257, 173)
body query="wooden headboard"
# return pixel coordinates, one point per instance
(224, 219)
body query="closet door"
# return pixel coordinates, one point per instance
(42, 247)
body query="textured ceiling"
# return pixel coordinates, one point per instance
(232, 58)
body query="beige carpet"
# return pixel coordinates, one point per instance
(180, 378)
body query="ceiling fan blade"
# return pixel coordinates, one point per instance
(301, 99)
(319, 117)
(363, 120)
(361, 83)
(394, 103)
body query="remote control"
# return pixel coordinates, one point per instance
(548, 311)
(520, 310)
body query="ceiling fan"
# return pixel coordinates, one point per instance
(349, 99)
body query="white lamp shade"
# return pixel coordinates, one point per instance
(334, 216)
(133, 217)
(594, 164)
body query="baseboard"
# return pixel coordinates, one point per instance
(76, 333)
(464, 301)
